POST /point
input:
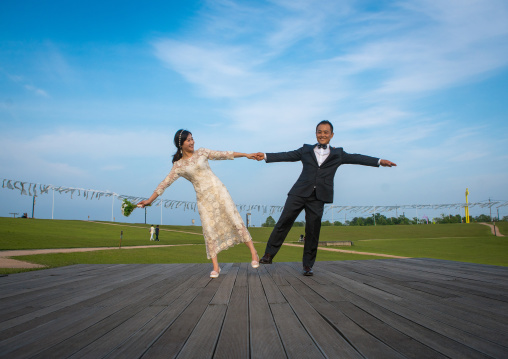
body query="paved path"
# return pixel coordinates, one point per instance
(494, 230)
(6, 262)
(348, 251)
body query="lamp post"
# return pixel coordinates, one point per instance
(33, 206)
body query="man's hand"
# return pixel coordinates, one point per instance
(386, 163)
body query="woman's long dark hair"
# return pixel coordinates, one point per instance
(180, 137)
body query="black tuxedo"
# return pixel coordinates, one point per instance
(311, 191)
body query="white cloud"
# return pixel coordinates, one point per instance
(25, 83)
(219, 71)
(36, 90)
(436, 46)
(67, 154)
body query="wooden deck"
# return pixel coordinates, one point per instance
(387, 308)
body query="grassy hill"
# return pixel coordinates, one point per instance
(462, 242)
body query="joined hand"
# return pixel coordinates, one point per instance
(256, 156)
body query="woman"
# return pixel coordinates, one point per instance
(152, 231)
(223, 226)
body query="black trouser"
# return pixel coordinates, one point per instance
(313, 214)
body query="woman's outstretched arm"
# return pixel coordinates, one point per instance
(170, 178)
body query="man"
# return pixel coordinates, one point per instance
(157, 233)
(311, 191)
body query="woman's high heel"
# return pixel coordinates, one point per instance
(214, 274)
(255, 264)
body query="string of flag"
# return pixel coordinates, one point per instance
(35, 189)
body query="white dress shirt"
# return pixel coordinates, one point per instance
(321, 154)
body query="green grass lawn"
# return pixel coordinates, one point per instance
(460, 242)
(183, 254)
(503, 227)
(19, 233)
(485, 250)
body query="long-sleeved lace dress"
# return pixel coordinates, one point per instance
(223, 226)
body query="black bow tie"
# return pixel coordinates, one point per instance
(322, 146)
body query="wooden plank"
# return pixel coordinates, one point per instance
(170, 343)
(460, 289)
(296, 340)
(365, 343)
(40, 285)
(241, 277)
(471, 314)
(272, 292)
(118, 335)
(472, 271)
(444, 313)
(63, 296)
(226, 287)
(399, 341)
(41, 277)
(86, 297)
(264, 338)
(171, 309)
(274, 271)
(31, 342)
(436, 335)
(201, 343)
(487, 309)
(354, 286)
(234, 337)
(330, 342)
(415, 326)
(141, 340)
(26, 318)
(48, 333)
(475, 268)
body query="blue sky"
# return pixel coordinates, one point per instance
(91, 94)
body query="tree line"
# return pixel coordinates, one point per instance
(381, 220)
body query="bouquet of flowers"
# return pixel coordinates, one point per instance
(127, 207)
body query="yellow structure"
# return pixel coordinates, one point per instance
(467, 207)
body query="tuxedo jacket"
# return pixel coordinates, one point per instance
(315, 176)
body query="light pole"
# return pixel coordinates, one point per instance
(490, 210)
(33, 206)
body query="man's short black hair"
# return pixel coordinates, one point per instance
(325, 122)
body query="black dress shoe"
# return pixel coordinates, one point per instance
(267, 259)
(307, 271)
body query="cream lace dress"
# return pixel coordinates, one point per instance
(223, 226)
